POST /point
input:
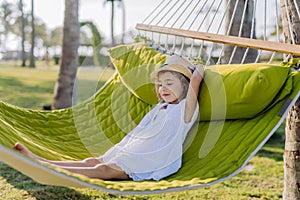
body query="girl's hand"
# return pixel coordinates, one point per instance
(193, 92)
(197, 71)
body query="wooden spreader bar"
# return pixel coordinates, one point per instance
(224, 39)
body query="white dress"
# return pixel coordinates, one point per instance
(153, 150)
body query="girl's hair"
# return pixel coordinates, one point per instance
(183, 79)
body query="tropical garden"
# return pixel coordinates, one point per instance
(31, 79)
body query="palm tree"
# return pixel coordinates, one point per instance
(55, 39)
(234, 29)
(291, 34)
(40, 32)
(64, 92)
(112, 21)
(123, 20)
(96, 41)
(23, 34)
(32, 61)
(6, 18)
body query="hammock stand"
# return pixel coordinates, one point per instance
(67, 134)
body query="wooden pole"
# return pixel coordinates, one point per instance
(225, 39)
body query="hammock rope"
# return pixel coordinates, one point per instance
(217, 32)
(199, 23)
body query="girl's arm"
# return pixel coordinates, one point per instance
(192, 94)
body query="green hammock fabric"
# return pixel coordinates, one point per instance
(228, 91)
(214, 150)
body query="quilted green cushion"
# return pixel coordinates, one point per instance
(241, 91)
(228, 91)
(134, 63)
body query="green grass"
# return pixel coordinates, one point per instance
(32, 88)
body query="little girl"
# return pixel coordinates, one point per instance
(152, 150)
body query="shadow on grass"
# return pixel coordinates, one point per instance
(39, 191)
(14, 84)
(24, 95)
(33, 96)
(34, 189)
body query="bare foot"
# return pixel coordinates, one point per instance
(22, 149)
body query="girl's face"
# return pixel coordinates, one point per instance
(170, 88)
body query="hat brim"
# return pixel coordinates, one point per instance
(175, 68)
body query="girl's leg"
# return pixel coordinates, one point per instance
(100, 171)
(89, 162)
(91, 167)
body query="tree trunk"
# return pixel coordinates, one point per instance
(292, 154)
(234, 30)
(112, 22)
(292, 142)
(23, 34)
(64, 92)
(32, 62)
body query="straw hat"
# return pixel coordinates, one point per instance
(177, 64)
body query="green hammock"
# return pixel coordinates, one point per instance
(229, 132)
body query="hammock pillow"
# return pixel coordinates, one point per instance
(134, 63)
(238, 91)
(228, 91)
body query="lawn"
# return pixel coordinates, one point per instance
(33, 88)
